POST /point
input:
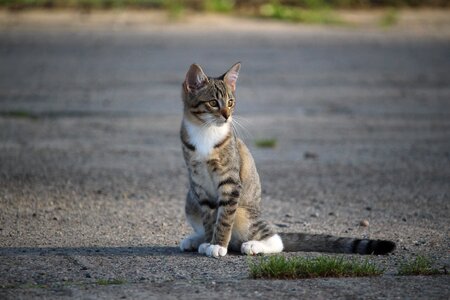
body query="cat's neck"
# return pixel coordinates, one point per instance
(204, 138)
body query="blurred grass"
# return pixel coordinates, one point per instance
(389, 18)
(281, 6)
(301, 11)
(266, 143)
(314, 14)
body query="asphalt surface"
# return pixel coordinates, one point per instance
(92, 181)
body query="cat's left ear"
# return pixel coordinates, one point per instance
(232, 75)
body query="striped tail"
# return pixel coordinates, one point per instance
(293, 242)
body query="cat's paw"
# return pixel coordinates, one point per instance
(190, 243)
(215, 251)
(186, 245)
(252, 248)
(202, 248)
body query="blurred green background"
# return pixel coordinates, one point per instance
(275, 7)
(298, 11)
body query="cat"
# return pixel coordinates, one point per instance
(223, 201)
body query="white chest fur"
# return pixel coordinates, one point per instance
(205, 138)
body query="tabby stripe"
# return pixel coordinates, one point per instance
(198, 104)
(223, 141)
(231, 211)
(338, 241)
(229, 202)
(355, 244)
(225, 224)
(229, 180)
(266, 235)
(207, 203)
(234, 194)
(229, 170)
(199, 112)
(257, 224)
(198, 118)
(188, 145)
(369, 247)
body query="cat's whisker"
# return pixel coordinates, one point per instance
(241, 128)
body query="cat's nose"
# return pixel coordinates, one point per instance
(225, 113)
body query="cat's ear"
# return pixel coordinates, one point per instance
(195, 79)
(232, 75)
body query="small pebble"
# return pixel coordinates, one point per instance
(364, 223)
(310, 155)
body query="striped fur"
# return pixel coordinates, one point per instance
(223, 202)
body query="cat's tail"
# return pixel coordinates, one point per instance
(293, 242)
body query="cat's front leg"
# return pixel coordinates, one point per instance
(229, 191)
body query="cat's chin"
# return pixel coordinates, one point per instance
(221, 123)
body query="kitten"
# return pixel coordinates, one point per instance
(223, 202)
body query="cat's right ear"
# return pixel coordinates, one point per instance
(195, 79)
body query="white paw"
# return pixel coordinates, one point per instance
(216, 251)
(202, 248)
(252, 248)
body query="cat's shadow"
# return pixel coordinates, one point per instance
(92, 251)
(98, 251)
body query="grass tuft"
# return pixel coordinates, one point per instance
(279, 267)
(18, 114)
(266, 143)
(389, 18)
(419, 266)
(313, 15)
(222, 6)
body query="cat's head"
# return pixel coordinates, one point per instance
(209, 100)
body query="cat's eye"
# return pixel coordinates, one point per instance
(230, 102)
(214, 103)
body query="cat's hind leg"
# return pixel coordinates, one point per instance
(272, 244)
(262, 239)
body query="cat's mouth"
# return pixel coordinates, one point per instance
(221, 122)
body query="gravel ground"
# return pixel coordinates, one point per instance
(92, 181)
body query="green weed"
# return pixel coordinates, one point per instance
(279, 267)
(266, 143)
(317, 14)
(223, 6)
(419, 266)
(18, 114)
(389, 18)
